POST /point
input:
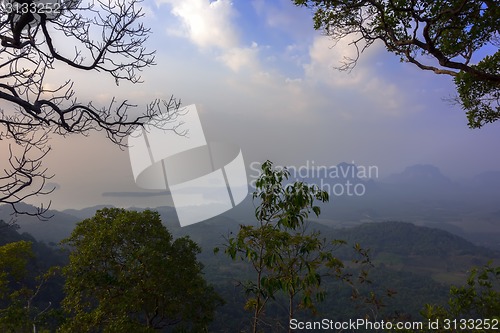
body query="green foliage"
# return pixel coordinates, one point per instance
(18, 311)
(473, 307)
(443, 36)
(287, 259)
(126, 274)
(480, 98)
(14, 259)
(478, 298)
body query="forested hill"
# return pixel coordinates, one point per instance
(9, 234)
(419, 263)
(407, 239)
(421, 251)
(54, 229)
(401, 238)
(45, 256)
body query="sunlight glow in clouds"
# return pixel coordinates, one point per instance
(206, 24)
(209, 25)
(325, 59)
(237, 58)
(267, 82)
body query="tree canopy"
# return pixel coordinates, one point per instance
(288, 260)
(459, 38)
(22, 308)
(472, 307)
(127, 274)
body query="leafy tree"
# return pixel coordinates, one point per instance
(284, 255)
(473, 307)
(445, 37)
(127, 274)
(91, 36)
(14, 258)
(478, 299)
(18, 311)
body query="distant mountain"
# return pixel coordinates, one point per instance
(9, 234)
(421, 194)
(488, 178)
(419, 263)
(407, 239)
(62, 223)
(329, 174)
(59, 226)
(48, 254)
(486, 182)
(420, 175)
(85, 213)
(427, 251)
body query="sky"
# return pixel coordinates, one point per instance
(263, 79)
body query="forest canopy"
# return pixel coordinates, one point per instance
(459, 38)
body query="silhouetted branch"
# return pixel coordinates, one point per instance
(25, 177)
(107, 37)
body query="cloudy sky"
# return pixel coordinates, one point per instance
(262, 78)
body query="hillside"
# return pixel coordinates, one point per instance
(429, 252)
(407, 239)
(57, 227)
(418, 263)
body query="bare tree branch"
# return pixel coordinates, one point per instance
(444, 37)
(108, 37)
(25, 177)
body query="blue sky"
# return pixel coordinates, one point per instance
(264, 79)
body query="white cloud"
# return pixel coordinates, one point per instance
(237, 58)
(209, 25)
(293, 81)
(325, 59)
(206, 24)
